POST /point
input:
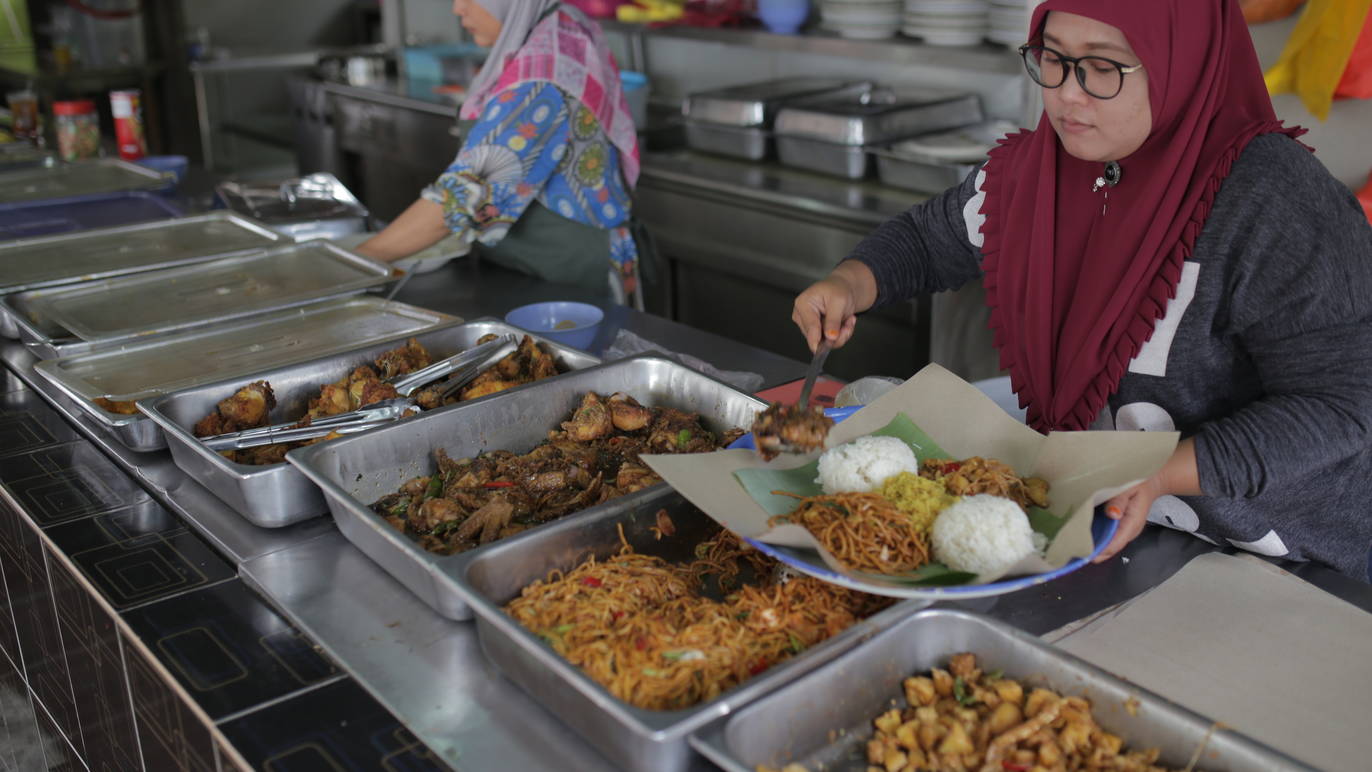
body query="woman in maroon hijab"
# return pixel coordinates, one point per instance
(1160, 253)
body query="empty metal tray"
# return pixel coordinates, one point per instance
(149, 366)
(635, 738)
(751, 144)
(106, 252)
(874, 115)
(824, 721)
(357, 470)
(79, 178)
(171, 299)
(278, 495)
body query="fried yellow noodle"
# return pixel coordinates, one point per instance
(863, 531)
(638, 625)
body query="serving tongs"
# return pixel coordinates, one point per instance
(463, 367)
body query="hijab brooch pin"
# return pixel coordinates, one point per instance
(1108, 179)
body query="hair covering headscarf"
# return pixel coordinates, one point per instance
(542, 40)
(1075, 293)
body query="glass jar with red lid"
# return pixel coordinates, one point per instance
(78, 129)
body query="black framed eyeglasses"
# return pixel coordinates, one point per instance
(1098, 76)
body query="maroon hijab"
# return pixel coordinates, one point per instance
(1075, 293)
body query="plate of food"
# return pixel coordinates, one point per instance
(932, 491)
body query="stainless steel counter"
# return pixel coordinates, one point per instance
(429, 671)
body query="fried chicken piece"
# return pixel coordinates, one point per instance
(428, 398)
(372, 392)
(438, 510)
(121, 407)
(332, 400)
(627, 414)
(633, 477)
(246, 408)
(489, 521)
(541, 363)
(591, 421)
(406, 359)
(795, 428)
(489, 386)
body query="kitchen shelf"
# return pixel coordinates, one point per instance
(983, 58)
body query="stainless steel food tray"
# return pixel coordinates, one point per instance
(150, 366)
(278, 495)
(824, 721)
(873, 116)
(104, 252)
(635, 738)
(751, 144)
(847, 161)
(173, 299)
(357, 470)
(79, 178)
(924, 176)
(754, 104)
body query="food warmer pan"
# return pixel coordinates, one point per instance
(101, 253)
(830, 134)
(825, 720)
(276, 495)
(357, 470)
(149, 366)
(635, 738)
(79, 178)
(118, 309)
(736, 121)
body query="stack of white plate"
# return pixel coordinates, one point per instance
(945, 22)
(862, 19)
(1009, 22)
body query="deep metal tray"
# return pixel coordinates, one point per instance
(357, 470)
(79, 178)
(635, 738)
(824, 721)
(924, 176)
(276, 495)
(873, 116)
(847, 161)
(754, 104)
(150, 366)
(749, 144)
(226, 288)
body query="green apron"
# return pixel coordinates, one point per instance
(545, 244)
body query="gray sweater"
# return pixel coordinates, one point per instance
(1264, 356)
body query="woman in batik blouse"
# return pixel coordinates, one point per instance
(549, 159)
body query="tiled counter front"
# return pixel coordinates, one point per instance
(129, 643)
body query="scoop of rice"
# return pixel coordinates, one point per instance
(982, 534)
(862, 465)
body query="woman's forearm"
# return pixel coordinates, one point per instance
(418, 227)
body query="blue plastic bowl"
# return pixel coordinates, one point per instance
(568, 323)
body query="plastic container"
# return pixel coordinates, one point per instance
(127, 107)
(568, 323)
(78, 129)
(635, 86)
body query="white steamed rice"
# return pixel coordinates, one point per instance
(982, 534)
(861, 466)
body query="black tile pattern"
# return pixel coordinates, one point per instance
(171, 736)
(38, 638)
(9, 557)
(16, 715)
(27, 423)
(67, 482)
(107, 735)
(338, 726)
(139, 554)
(228, 649)
(58, 753)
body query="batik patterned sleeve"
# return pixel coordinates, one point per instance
(505, 162)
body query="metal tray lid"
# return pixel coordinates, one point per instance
(150, 366)
(104, 252)
(968, 144)
(317, 196)
(754, 104)
(868, 116)
(174, 298)
(79, 178)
